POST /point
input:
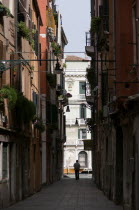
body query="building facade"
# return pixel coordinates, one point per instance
(76, 128)
(113, 48)
(32, 131)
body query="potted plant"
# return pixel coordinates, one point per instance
(95, 24)
(25, 109)
(56, 49)
(38, 124)
(102, 44)
(4, 11)
(55, 17)
(51, 79)
(23, 30)
(8, 93)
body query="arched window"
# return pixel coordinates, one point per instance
(82, 157)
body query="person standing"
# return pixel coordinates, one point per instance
(76, 168)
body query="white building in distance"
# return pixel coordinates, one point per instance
(75, 72)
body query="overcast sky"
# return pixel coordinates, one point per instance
(75, 21)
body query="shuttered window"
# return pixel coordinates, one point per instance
(82, 111)
(81, 87)
(82, 134)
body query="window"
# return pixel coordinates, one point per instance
(81, 87)
(82, 111)
(82, 134)
(4, 161)
(82, 157)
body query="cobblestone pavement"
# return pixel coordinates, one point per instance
(68, 194)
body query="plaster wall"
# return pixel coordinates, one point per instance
(75, 73)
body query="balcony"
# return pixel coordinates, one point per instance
(72, 122)
(88, 94)
(89, 48)
(76, 99)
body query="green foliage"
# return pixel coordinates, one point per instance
(4, 10)
(102, 44)
(25, 109)
(64, 65)
(33, 31)
(95, 24)
(56, 49)
(24, 30)
(9, 93)
(32, 42)
(56, 17)
(32, 68)
(52, 80)
(38, 123)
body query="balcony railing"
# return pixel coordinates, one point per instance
(89, 44)
(88, 94)
(72, 122)
(77, 97)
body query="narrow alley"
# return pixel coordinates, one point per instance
(68, 194)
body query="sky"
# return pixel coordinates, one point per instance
(75, 21)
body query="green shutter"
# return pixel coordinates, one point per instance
(78, 133)
(81, 87)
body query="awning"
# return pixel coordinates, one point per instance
(88, 144)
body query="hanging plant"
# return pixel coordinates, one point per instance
(9, 93)
(56, 49)
(25, 109)
(38, 123)
(52, 80)
(55, 17)
(24, 30)
(95, 24)
(4, 11)
(102, 44)
(64, 65)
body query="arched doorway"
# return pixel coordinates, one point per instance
(82, 157)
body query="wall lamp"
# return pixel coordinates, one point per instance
(58, 68)
(67, 109)
(77, 123)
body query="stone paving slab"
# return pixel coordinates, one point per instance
(68, 194)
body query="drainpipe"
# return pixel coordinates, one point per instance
(39, 95)
(114, 49)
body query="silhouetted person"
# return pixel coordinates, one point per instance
(76, 168)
